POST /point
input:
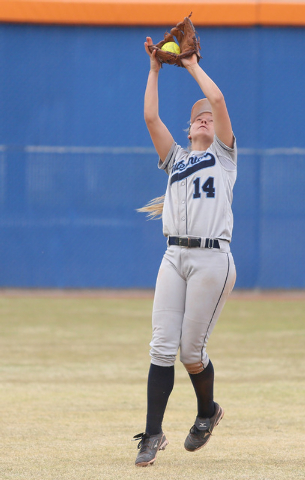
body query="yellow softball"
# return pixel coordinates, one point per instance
(171, 47)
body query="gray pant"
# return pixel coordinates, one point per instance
(192, 287)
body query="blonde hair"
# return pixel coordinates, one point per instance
(154, 208)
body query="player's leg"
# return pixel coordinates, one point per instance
(210, 281)
(208, 288)
(168, 311)
(203, 384)
(167, 316)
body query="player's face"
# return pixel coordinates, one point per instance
(202, 126)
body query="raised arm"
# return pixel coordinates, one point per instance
(160, 135)
(221, 119)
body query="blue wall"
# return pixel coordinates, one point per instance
(76, 159)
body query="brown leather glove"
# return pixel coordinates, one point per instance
(188, 42)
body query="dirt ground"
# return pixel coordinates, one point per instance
(254, 294)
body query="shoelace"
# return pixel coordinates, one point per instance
(142, 437)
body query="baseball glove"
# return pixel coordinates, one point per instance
(188, 42)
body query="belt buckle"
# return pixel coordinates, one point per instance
(183, 242)
(211, 243)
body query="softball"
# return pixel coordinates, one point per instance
(171, 47)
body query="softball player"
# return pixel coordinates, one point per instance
(197, 272)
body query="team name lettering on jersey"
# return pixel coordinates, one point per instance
(184, 169)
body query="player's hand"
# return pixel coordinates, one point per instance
(190, 62)
(155, 65)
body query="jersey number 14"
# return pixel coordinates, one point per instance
(207, 187)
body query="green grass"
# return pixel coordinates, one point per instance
(73, 392)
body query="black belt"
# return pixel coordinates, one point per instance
(193, 242)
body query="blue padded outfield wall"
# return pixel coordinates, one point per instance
(76, 159)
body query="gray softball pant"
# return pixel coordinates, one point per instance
(192, 287)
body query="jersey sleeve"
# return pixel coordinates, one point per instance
(227, 156)
(175, 152)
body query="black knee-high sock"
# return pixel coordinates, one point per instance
(203, 384)
(159, 387)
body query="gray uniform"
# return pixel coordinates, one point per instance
(193, 284)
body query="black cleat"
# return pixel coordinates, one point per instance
(201, 431)
(149, 446)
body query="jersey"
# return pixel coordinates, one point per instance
(199, 192)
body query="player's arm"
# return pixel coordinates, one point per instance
(221, 119)
(160, 135)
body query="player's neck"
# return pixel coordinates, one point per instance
(200, 144)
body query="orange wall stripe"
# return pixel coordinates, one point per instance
(292, 14)
(153, 12)
(119, 12)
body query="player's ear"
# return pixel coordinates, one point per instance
(189, 137)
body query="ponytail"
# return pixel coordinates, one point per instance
(154, 208)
